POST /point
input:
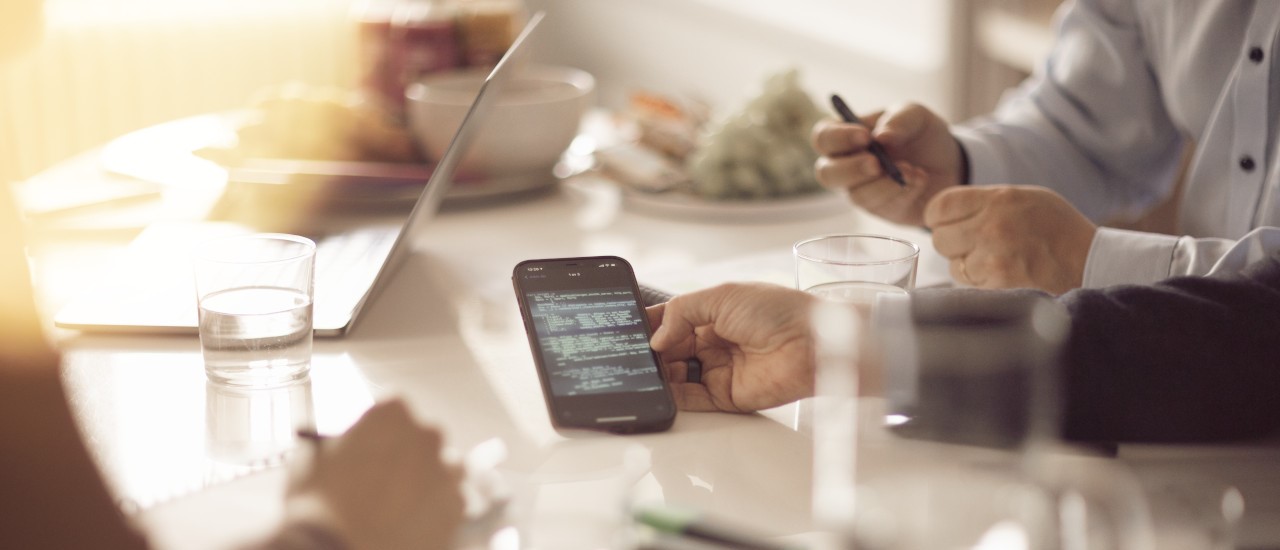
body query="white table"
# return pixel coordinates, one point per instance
(446, 335)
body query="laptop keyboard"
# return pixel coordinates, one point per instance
(335, 253)
(346, 265)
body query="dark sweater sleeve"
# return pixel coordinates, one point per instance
(1190, 359)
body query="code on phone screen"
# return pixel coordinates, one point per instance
(593, 341)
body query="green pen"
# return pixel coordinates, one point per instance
(690, 524)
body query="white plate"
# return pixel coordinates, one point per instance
(687, 207)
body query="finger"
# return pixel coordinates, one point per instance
(956, 204)
(654, 313)
(836, 138)
(955, 240)
(683, 313)
(900, 126)
(848, 172)
(878, 194)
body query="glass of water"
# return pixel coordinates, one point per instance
(255, 297)
(855, 268)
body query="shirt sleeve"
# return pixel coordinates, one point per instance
(1122, 257)
(1090, 124)
(1191, 359)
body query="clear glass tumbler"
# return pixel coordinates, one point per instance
(855, 268)
(255, 297)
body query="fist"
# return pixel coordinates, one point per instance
(1009, 236)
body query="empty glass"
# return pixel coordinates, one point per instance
(855, 268)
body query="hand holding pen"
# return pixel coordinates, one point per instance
(383, 484)
(890, 163)
(876, 149)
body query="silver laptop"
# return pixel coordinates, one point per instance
(153, 289)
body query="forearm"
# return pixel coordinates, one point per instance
(1190, 359)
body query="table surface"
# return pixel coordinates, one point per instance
(445, 335)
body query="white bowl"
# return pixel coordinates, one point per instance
(535, 118)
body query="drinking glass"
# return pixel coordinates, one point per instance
(855, 268)
(255, 297)
(850, 272)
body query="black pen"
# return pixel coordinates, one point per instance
(876, 149)
(315, 439)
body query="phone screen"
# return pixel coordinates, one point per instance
(591, 337)
(593, 341)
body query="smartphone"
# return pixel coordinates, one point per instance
(590, 341)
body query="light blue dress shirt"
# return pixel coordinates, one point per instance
(1104, 121)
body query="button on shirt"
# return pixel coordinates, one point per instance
(1127, 85)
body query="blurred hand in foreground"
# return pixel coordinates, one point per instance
(383, 484)
(917, 140)
(1009, 236)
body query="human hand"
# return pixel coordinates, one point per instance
(921, 146)
(1010, 236)
(753, 341)
(382, 484)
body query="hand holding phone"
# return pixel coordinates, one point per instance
(590, 340)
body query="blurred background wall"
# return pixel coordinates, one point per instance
(107, 67)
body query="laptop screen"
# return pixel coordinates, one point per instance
(442, 176)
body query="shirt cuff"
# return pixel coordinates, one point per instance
(1120, 256)
(985, 165)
